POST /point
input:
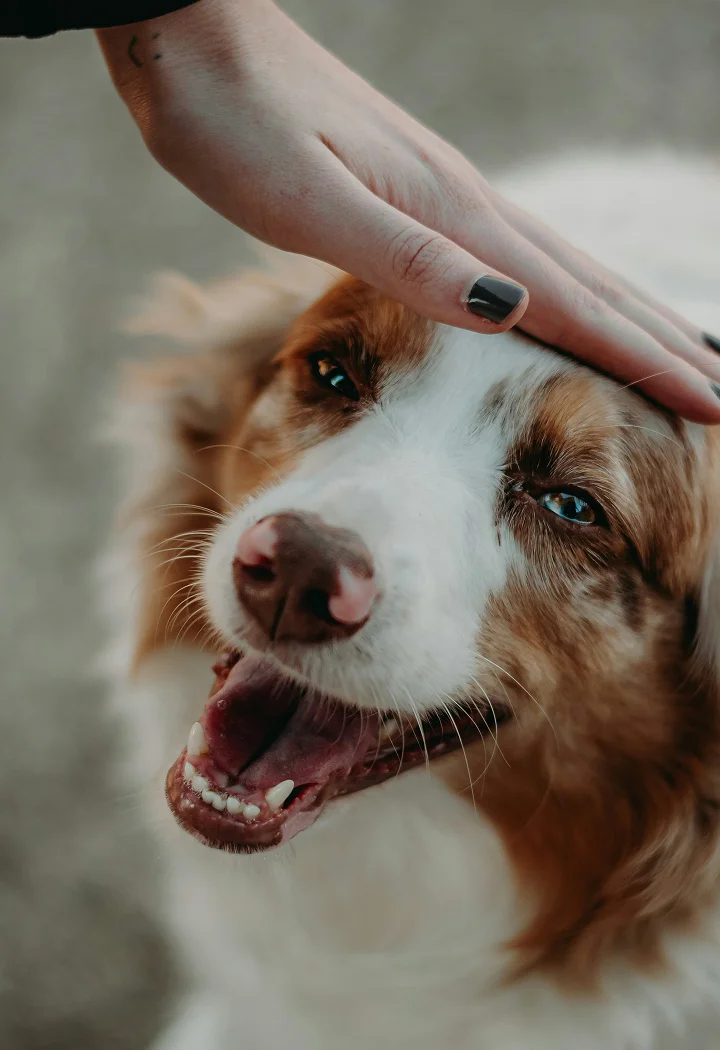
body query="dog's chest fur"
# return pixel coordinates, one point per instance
(384, 925)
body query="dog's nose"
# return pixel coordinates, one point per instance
(303, 580)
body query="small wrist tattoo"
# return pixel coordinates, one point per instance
(133, 55)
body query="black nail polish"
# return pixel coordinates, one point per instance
(712, 341)
(715, 387)
(494, 298)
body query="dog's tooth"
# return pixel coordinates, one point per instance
(234, 805)
(251, 812)
(200, 783)
(388, 729)
(275, 796)
(221, 779)
(197, 744)
(210, 796)
(219, 803)
(189, 771)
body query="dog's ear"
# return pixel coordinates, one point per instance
(707, 644)
(228, 331)
(250, 308)
(706, 658)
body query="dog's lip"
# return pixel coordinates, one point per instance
(218, 830)
(226, 794)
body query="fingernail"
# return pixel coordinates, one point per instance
(494, 298)
(712, 341)
(715, 387)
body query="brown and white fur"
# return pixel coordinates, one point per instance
(556, 885)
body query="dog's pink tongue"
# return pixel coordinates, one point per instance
(246, 714)
(263, 729)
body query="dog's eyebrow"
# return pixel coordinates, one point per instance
(553, 458)
(352, 346)
(552, 440)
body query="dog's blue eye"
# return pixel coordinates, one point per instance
(328, 371)
(568, 506)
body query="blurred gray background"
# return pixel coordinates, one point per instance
(85, 215)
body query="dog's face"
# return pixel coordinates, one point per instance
(473, 550)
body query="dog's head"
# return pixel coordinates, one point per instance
(415, 544)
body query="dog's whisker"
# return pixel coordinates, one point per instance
(491, 707)
(176, 593)
(637, 426)
(522, 687)
(200, 535)
(183, 508)
(454, 724)
(183, 608)
(205, 485)
(248, 452)
(418, 719)
(652, 375)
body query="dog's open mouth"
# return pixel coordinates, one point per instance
(268, 754)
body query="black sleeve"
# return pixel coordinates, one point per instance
(34, 18)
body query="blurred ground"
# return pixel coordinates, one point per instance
(84, 216)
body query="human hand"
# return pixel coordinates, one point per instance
(275, 134)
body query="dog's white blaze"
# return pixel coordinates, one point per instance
(417, 478)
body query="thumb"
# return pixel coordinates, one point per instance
(363, 235)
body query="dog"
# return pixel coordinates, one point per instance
(415, 634)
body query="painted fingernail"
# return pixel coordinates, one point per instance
(712, 341)
(715, 387)
(494, 298)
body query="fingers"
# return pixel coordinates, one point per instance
(433, 275)
(363, 235)
(564, 313)
(355, 230)
(675, 332)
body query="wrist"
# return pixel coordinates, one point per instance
(144, 56)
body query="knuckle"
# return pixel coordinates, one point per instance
(582, 302)
(450, 183)
(604, 289)
(459, 191)
(419, 257)
(574, 306)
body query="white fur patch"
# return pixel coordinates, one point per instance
(417, 479)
